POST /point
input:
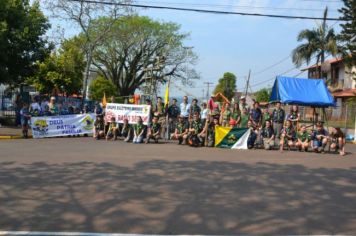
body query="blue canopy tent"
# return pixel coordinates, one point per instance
(298, 91)
(304, 92)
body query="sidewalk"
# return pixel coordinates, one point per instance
(11, 132)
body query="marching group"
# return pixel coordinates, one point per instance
(194, 125)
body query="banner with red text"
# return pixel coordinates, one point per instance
(127, 111)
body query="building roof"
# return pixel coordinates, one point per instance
(345, 93)
(331, 61)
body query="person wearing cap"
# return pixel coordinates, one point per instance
(243, 104)
(154, 130)
(185, 109)
(181, 130)
(319, 138)
(53, 107)
(278, 116)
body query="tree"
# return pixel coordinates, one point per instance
(61, 71)
(83, 13)
(22, 27)
(226, 85)
(99, 86)
(320, 40)
(137, 48)
(263, 95)
(348, 32)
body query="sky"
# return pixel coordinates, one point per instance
(237, 44)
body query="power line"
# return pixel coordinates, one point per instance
(233, 6)
(209, 11)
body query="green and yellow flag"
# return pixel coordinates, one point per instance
(233, 138)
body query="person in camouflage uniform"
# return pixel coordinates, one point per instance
(181, 130)
(154, 130)
(195, 134)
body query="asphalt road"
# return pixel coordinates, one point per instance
(79, 184)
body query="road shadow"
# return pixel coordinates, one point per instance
(161, 197)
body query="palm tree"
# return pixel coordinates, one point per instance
(320, 40)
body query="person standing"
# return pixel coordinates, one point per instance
(243, 104)
(278, 119)
(256, 115)
(173, 112)
(204, 113)
(294, 115)
(194, 108)
(236, 114)
(185, 109)
(225, 115)
(25, 117)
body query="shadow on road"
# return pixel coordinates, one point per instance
(177, 198)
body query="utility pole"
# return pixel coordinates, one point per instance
(208, 88)
(248, 82)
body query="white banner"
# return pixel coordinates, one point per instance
(127, 111)
(54, 126)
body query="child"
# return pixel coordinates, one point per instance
(181, 130)
(25, 117)
(211, 131)
(338, 141)
(287, 136)
(320, 138)
(225, 116)
(253, 135)
(139, 130)
(195, 131)
(244, 118)
(267, 134)
(303, 139)
(112, 130)
(99, 127)
(126, 131)
(154, 130)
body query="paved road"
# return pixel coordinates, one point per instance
(79, 184)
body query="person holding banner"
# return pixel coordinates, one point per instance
(139, 130)
(154, 130)
(112, 130)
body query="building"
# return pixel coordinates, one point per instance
(340, 78)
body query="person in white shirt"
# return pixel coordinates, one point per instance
(185, 109)
(204, 113)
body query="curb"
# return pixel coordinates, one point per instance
(7, 137)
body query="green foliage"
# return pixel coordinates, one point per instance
(263, 95)
(62, 71)
(99, 86)
(133, 44)
(22, 27)
(348, 32)
(319, 40)
(226, 85)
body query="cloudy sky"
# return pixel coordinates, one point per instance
(232, 43)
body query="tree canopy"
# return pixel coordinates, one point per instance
(99, 86)
(319, 41)
(263, 95)
(348, 32)
(22, 41)
(61, 71)
(129, 52)
(226, 85)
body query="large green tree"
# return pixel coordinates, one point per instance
(61, 71)
(263, 95)
(226, 85)
(99, 86)
(128, 54)
(319, 41)
(22, 41)
(348, 32)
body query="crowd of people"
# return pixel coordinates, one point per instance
(194, 125)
